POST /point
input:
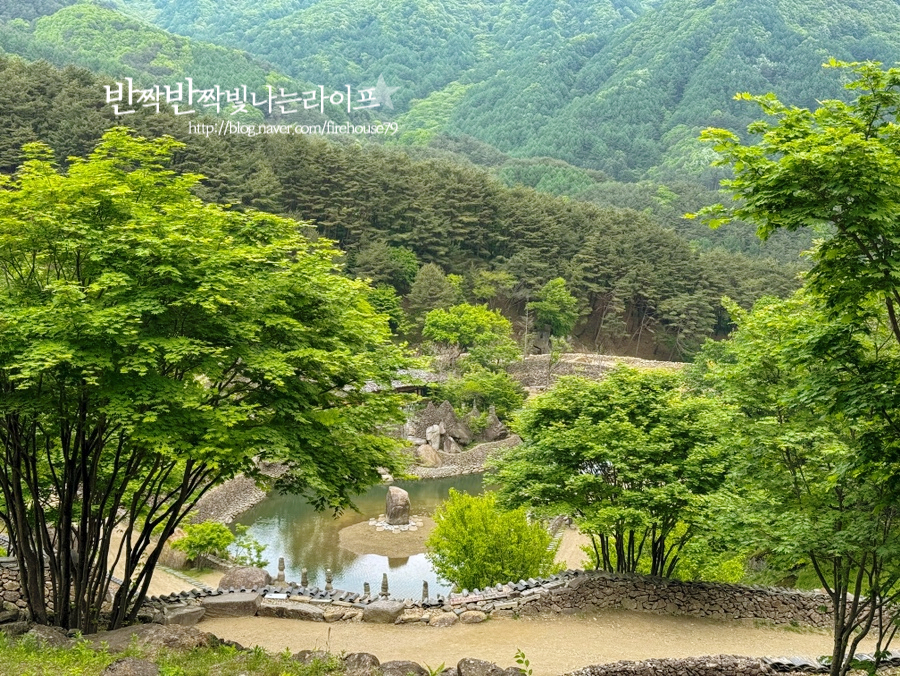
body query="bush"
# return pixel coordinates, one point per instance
(204, 539)
(483, 389)
(475, 544)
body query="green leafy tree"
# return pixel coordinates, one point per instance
(630, 457)
(555, 309)
(247, 550)
(476, 544)
(482, 388)
(799, 487)
(209, 538)
(430, 290)
(152, 346)
(484, 333)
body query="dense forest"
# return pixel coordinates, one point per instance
(642, 287)
(623, 86)
(617, 86)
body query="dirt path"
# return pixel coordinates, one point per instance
(554, 645)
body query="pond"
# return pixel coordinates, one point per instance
(291, 528)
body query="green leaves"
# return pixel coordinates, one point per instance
(630, 457)
(476, 544)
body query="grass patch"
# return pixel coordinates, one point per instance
(28, 657)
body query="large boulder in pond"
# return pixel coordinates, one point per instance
(396, 506)
(245, 577)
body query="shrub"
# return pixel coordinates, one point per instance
(203, 539)
(475, 544)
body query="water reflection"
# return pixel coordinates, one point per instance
(289, 527)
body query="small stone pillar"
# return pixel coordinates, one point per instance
(384, 585)
(396, 506)
(329, 578)
(424, 591)
(304, 578)
(280, 577)
(367, 591)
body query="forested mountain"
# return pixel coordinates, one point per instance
(109, 42)
(618, 85)
(641, 286)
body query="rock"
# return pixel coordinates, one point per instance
(443, 620)
(472, 617)
(131, 666)
(334, 614)
(410, 616)
(426, 456)
(153, 637)
(396, 506)
(292, 610)
(434, 434)
(469, 666)
(9, 616)
(186, 615)
(55, 637)
(450, 446)
(383, 612)
(310, 656)
(402, 668)
(239, 604)
(245, 577)
(449, 671)
(514, 671)
(361, 664)
(495, 429)
(12, 629)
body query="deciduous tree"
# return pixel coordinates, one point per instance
(151, 346)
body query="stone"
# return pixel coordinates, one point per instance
(450, 671)
(469, 666)
(9, 616)
(185, 615)
(495, 429)
(55, 637)
(514, 671)
(153, 637)
(238, 604)
(426, 456)
(472, 617)
(434, 433)
(410, 616)
(361, 664)
(443, 620)
(334, 614)
(293, 610)
(245, 577)
(131, 666)
(13, 629)
(383, 612)
(310, 656)
(402, 668)
(451, 447)
(396, 506)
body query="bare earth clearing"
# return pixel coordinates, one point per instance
(554, 645)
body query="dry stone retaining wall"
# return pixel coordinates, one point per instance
(569, 592)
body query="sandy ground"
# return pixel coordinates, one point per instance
(554, 645)
(361, 538)
(569, 552)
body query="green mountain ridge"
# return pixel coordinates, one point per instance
(621, 86)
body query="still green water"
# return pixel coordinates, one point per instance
(291, 528)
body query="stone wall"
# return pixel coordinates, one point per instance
(567, 593)
(237, 495)
(9, 581)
